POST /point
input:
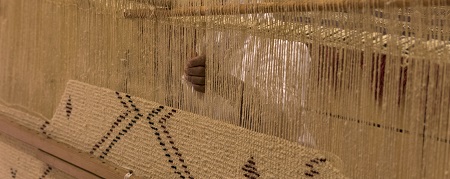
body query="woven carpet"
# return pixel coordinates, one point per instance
(162, 142)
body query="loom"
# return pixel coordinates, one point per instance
(293, 89)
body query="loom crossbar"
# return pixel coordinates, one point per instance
(290, 6)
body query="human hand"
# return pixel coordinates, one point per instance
(194, 72)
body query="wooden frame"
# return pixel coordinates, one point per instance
(289, 6)
(62, 156)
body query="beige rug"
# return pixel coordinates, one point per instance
(162, 142)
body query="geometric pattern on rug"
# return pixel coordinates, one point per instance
(159, 141)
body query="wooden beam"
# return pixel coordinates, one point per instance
(62, 156)
(289, 6)
(64, 166)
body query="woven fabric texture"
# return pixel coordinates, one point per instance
(162, 142)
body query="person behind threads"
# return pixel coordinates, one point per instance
(261, 49)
